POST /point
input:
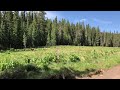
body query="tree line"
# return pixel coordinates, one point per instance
(22, 29)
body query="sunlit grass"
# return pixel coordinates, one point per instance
(55, 57)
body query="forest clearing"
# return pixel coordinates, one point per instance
(35, 46)
(56, 62)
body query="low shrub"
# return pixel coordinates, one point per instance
(74, 58)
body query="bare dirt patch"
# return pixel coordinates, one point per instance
(112, 73)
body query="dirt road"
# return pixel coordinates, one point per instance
(112, 73)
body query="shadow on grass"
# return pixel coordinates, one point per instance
(21, 49)
(33, 72)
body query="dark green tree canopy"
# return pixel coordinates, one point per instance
(31, 29)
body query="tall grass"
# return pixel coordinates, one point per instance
(45, 62)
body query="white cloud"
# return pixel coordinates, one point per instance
(83, 20)
(102, 21)
(79, 20)
(52, 15)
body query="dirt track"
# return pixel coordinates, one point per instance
(113, 73)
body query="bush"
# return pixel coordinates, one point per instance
(31, 67)
(19, 71)
(48, 59)
(13, 74)
(45, 67)
(74, 58)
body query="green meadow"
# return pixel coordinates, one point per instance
(56, 61)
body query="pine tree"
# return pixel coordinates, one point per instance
(49, 28)
(24, 40)
(0, 30)
(59, 42)
(97, 37)
(77, 36)
(17, 31)
(68, 33)
(5, 32)
(83, 39)
(10, 27)
(31, 29)
(53, 32)
(87, 35)
(72, 33)
(34, 32)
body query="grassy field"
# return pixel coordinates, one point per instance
(56, 61)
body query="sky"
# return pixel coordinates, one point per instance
(106, 20)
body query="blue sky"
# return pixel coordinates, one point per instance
(106, 20)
